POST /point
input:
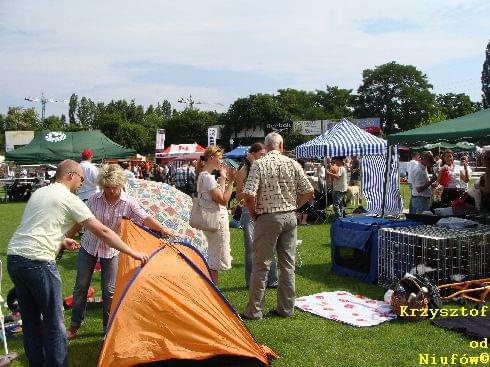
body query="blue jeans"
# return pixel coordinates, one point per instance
(248, 231)
(338, 204)
(85, 269)
(38, 289)
(420, 204)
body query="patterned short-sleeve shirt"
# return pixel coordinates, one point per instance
(276, 181)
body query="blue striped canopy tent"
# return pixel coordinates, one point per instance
(347, 139)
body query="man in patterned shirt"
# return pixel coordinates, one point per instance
(275, 188)
(184, 178)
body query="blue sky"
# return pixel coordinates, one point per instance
(220, 50)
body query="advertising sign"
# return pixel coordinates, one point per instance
(212, 134)
(278, 127)
(160, 140)
(309, 127)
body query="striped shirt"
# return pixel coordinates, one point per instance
(110, 216)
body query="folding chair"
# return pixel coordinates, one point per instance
(320, 208)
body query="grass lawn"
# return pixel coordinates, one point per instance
(304, 340)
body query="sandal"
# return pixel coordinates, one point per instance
(71, 333)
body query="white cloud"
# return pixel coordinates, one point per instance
(72, 46)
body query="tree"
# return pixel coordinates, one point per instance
(336, 102)
(132, 135)
(164, 109)
(254, 111)
(485, 79)
(21, 119)
(398, 94)
(294, 138)
(53, 123)
(86, 113)
(189, 126)
(135, 113)
(109, 124)
(300, 104)
(454, 105)
(433, 117)
(73, 104)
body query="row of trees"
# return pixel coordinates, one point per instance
(399, 94)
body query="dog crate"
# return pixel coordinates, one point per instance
(443, 255)
(354, 245)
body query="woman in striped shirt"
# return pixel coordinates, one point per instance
(109, 206)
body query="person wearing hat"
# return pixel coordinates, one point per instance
(90, 171)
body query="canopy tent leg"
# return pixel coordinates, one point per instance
(385, 186)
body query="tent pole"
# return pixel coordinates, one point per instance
(385, 186)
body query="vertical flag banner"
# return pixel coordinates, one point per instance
(212, 133)
(160, 142)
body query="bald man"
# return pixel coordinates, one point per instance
(49, 214)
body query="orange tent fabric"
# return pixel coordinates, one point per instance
(170, 309)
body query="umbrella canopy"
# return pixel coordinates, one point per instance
(170, 207)
(474, 127)
(239, 152)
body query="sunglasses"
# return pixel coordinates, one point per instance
(81, 177)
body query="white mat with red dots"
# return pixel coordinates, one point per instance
(355, 310)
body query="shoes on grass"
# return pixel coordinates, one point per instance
(274, 313)
(245, 317)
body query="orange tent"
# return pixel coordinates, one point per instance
(170, 310)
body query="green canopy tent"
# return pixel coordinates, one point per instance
(55, 146)
(474, 127)
(460, 146)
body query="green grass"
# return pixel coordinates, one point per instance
(304, 340)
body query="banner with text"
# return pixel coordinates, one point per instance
(309, 127)
(160, 140)
(279, 127)
(212, 134)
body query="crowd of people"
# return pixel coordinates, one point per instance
(273, 189)
(440, 182)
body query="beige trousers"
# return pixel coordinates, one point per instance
(275, 232)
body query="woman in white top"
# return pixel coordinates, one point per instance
(219, 191)
(449, 176)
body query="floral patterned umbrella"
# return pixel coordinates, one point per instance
(170, 207)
